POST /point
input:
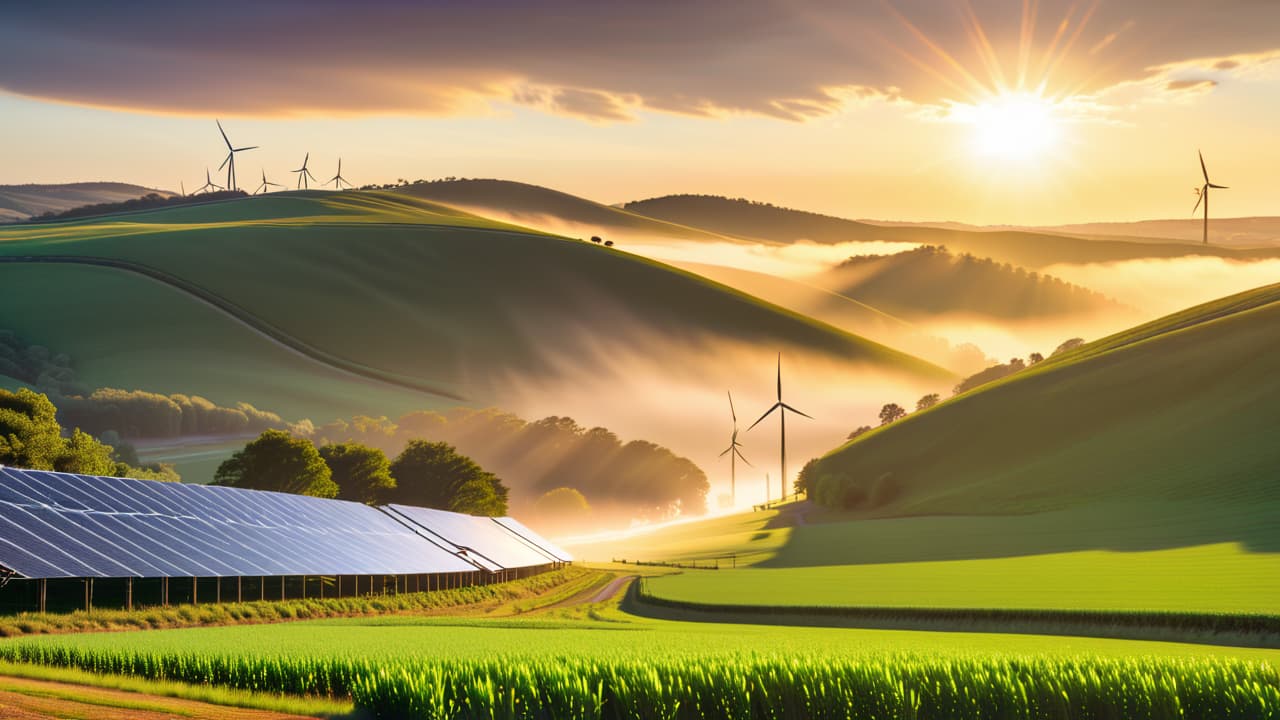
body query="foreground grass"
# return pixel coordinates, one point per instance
(216, 695)
(520, 595)
(597, 662)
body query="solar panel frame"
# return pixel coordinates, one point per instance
(59, 525)
(477, 535)
(524, 532)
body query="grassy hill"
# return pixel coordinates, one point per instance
(541, 207)
(930, 281)
(1032, 250)
(19, 202)
(385, 281)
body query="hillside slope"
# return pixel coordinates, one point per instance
(1177, 416)
(1032, 250)
(19, 202)
(548, 209)
(428, 292)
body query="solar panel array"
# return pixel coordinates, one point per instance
(521, 531)
(480, 538)
(60, 525)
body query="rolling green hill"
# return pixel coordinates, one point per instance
(1032, 250)
(537, 206)
(1175, 416)
(398, 285)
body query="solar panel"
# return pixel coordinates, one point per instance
(56, 525)
(479, 537)
(523, 532)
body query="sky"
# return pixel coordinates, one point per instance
(980, 111)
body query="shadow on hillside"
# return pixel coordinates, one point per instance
(1116, 527)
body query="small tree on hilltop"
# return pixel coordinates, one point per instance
(280, 462)
(928, 401)
(863, 430)
(363, 474)
(1035, 358)
(891, 412)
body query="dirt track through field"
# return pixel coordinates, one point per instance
(23, 699)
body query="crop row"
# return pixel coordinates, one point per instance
(739, 685)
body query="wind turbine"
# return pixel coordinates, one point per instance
(782, 416)
(230, 162)
(183, 186)
(337, 180)
(263, 187)
(734, 454)
(304, 173)
(1203, 193)
(208, 183)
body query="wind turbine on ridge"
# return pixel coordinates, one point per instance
(782, 409)
(734, 454)
(337, 180)
(1203, 193)
(208, 183)
(304, 173)
(263, 187)
(230, 162)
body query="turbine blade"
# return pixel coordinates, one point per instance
(1202, 167)
(765, 415)
(779, 377)
(308, 172)
(1220, 187)
(224, 134)
(743, 458)
(727, 451)
(732, 412)
(788, 407)
(251, 147)
(1197, 207)
(224, 162)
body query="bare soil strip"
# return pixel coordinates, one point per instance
(22, 699)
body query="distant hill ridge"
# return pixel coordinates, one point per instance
(19, 202)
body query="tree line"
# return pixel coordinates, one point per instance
(426, 474)
(639, 478)
(32, 438)
(150, 201)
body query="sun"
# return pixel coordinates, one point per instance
(1012, 126)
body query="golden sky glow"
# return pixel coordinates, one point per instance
(990, 111)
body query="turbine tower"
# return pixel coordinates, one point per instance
(338, 180)
(304, 173)
(782, 409)
(1203, 193)
(230, 162)
(734, 455)
(265, 184)
(209, 185)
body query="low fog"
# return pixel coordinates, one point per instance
(1161, 287)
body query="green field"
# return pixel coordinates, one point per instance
(616, 666)
(410, 288)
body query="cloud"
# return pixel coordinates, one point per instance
(1195, 84)
(602, 62)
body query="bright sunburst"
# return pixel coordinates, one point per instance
(1013, 126)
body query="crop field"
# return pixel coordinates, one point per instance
(615, 666)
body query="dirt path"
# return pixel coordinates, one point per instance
(593, 595)
(22, 699)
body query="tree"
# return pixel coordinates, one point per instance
(363, 474)
(436, 475)
(1071, 344)
(1035, 358)
(863, 430)
(891, 412)
(562, 506)
(595, 239)
(278, 461)
(928, 401)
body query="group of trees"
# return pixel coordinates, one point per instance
(892, 412)
(137, 414)
(637, 478)
(37, 366)
(426, 474)
(931, 280)
(150, 201)
(31, 437)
